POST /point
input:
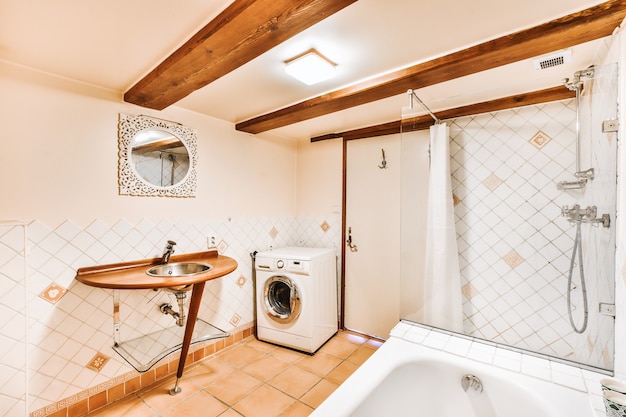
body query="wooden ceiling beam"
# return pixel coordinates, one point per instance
(584, 26)
(242, 32)
(425, 121)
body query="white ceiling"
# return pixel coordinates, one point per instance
(114, 43)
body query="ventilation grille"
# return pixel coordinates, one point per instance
(553, 60)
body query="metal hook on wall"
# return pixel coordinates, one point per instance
(383, 163)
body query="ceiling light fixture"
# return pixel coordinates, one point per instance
(310, 67)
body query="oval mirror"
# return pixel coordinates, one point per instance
(157, 157)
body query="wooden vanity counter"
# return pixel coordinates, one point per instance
(132, 275)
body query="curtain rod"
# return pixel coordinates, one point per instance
(412, 95)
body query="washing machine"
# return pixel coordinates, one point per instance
(296, 297)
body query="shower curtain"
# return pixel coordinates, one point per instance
(442, 302)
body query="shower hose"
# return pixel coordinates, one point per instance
(577, 248)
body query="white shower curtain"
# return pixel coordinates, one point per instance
(442, 279)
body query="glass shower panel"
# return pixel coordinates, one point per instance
(514, 245)
(598, 151)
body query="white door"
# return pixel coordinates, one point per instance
(372, 268)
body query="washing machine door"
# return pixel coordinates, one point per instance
(282, 299)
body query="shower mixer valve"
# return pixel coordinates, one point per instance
(575, 213)
(587, 215)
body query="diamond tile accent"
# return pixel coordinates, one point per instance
(513, 259)
(540, 139)
(325, 226)
(241, 281)
(455, 200)
(98, 361)
(222, 247)
(235, 320)
(469, 291)
(273, 232)
(53, 293)
(492, 182)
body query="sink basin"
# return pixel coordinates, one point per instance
(178, 269)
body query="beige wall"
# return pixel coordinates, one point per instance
(319, 177)
(59, 173)
(60, 158)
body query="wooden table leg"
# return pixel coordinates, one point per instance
(192, 316)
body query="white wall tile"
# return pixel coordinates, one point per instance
(522, 214)
(65, 336)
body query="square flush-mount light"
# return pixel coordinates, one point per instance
(310, 67)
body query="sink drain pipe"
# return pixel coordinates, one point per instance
(179, 315)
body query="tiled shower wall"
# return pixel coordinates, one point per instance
(514, 245)
(70, 325)
(157, 168)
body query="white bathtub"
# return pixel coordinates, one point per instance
(407, 379)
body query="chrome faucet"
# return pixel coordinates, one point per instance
(471, 381)
(169, 250)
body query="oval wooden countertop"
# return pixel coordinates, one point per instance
(132, 275)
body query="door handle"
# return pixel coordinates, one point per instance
(349, 243)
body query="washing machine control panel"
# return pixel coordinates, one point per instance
(295, 266)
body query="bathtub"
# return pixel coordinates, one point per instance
(407, 379)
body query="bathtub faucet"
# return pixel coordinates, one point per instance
(471, 381)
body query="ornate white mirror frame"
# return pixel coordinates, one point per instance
(131, 182)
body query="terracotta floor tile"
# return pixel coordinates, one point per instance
(316, 395)
(288, 355)
(210, 371)
(229, 413)
(341, 372)
(202, 404)
(320, 364)
(361, 355)
(266, 401)
(351, 337)
(257, 344)
(295, 381)
(297, 409)
(159, 398)
(340, 347)
(128, 407)
(373, 343)
(240, 355)
(266, 367)
(209, 387)
(233, 387)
